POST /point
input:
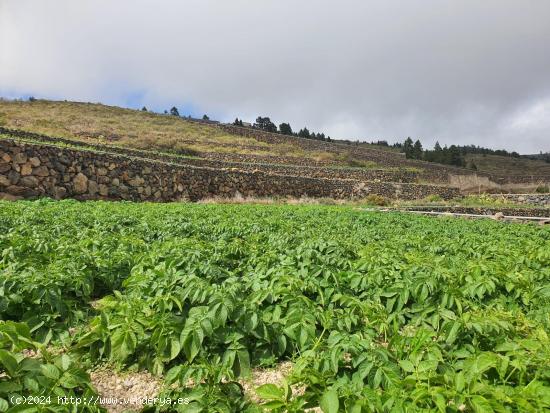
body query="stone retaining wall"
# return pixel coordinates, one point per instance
(430, 172)
(533, 199)
(274, 164)
(35, 170)
(278, 166)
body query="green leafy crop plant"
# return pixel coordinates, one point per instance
(377, 312)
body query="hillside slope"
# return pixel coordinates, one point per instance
(226, 146)
(506, 165)
(97, 123)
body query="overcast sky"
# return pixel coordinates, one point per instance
(461, 71)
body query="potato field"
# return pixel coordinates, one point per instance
(375, 312)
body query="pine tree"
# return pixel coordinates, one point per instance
(417, 150)
(265, 124)
(304, 133)
(408, 148)
(285, 128)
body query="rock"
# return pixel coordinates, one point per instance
(16, 190)
(13, 177)
(4, 167)
(29, 181)
(103, 190)
(101, 171)
(92, 187)
(148, 190)
(146, 170)
(59, 192)
(59, 166)
(41, 171)
(80, 183)
(9, 197)
(63, 159)
(136, 181)
(498, 216)
(20, 158)
(22, 191)
(112, 166)
(115, 182)
(6, 157)
(34, 161)
(4, 181)
(26, 169)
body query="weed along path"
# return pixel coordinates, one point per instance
(284, 308)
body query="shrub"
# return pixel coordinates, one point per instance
(542, 189)
(433, 198)
(375, 199)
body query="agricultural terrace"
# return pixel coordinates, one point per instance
(373, 312)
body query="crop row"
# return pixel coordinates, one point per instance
(376, 312)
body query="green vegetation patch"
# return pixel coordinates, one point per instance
(376, 312)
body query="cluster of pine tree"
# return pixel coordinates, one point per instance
(451, 155)
(265, 124)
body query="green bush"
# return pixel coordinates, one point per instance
(375, 199)
(433, 198)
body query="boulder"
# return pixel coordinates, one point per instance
(63, 159)
(26, 169)
(9, 197)
(20, 158)
(41, 171)
(92, 187)
(103, 190)
(29, 181)
(136, 181)
(34, 161)
(4, 181)
(59, 192)
(22, 191)
(59, 166)
(80, 183)
(14, 177)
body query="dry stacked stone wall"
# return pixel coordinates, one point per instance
(532, 199)
(430, 172)
(289, 165)
(36, 170)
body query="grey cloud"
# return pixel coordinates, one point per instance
(460, 72)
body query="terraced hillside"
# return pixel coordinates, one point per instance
(96, 123)
(226, 147)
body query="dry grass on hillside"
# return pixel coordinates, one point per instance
(508, 165)
(91, 122)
